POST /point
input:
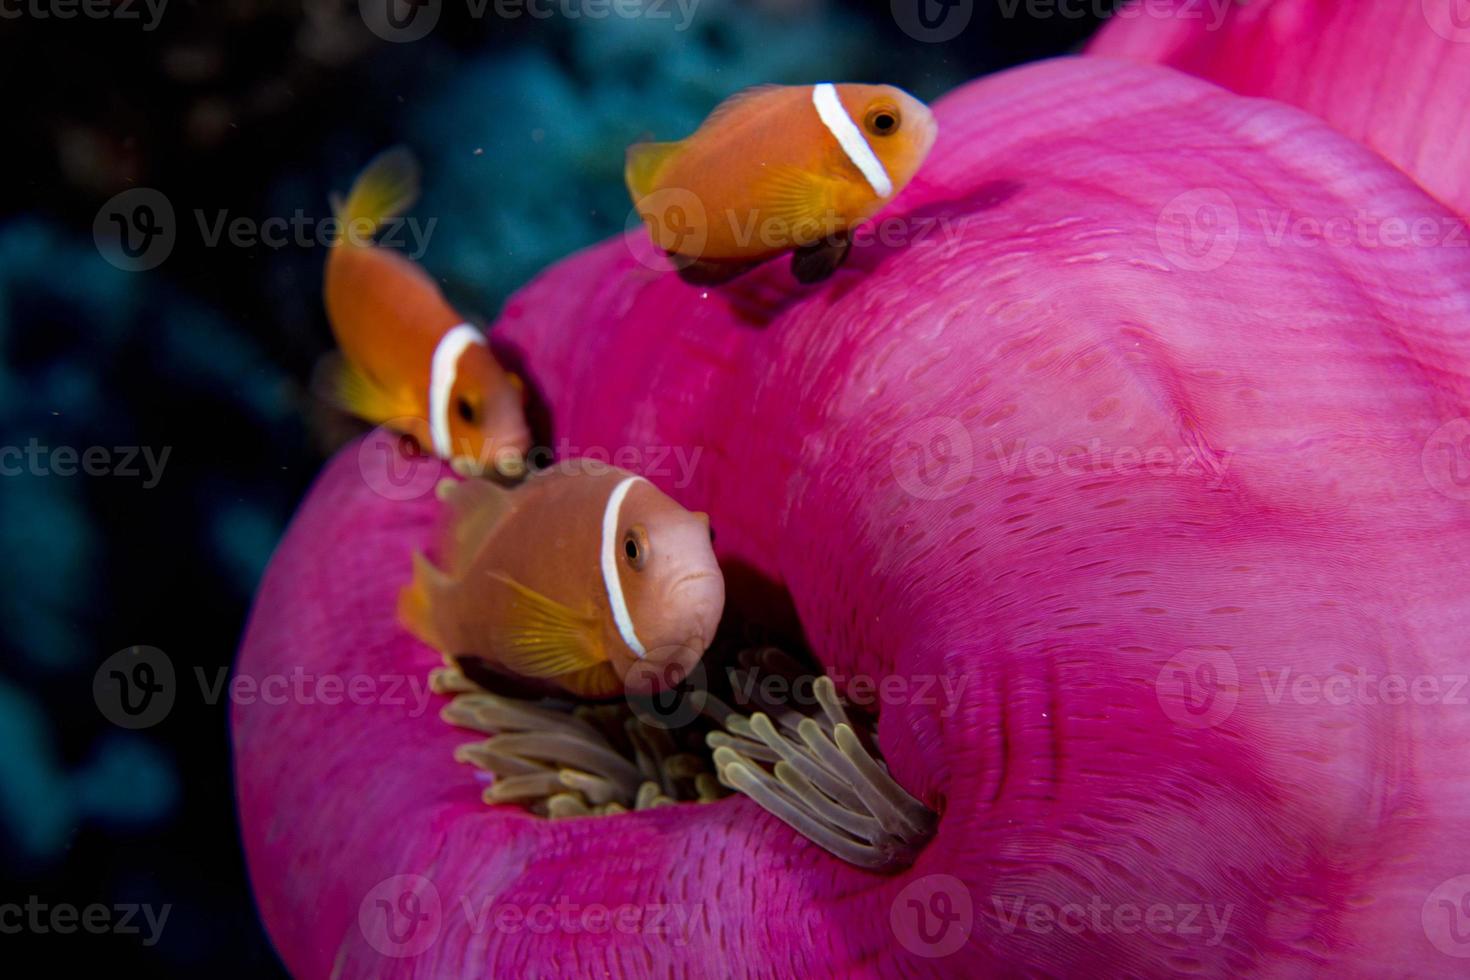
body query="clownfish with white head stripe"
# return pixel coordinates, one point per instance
(408, 359)
(584, 579)
(779, 168)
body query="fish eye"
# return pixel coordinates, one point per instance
(635, 547)
(882, 120)
(465, 409)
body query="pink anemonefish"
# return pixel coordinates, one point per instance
(573, 580)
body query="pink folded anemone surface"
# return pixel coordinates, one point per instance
(1159, 513)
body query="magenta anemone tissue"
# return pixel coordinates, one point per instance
(1166, 498)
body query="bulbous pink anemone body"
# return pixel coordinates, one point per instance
(1115, 475)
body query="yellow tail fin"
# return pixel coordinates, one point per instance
(386, 189)
(642, 164)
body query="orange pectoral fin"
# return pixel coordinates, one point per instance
(804, 203)
(416, 603)
(600, 681)
(541, 637)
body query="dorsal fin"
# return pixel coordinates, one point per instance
(475, 506)
(732, 105)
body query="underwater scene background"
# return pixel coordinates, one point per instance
(156, 406)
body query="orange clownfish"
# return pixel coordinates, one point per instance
(583, 579)
(409, 360)
(778, 168)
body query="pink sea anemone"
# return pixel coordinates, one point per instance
(1175, 503)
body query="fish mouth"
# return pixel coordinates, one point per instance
(684, 580)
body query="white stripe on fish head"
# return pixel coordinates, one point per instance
(442, 374)
(835, 117)
(611, 581)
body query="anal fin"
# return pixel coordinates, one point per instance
(706, 272)
(813, 263)
(599, 681)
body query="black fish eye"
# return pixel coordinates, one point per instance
(883, 121)
(465, 409)
(635, 547)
